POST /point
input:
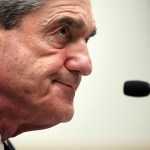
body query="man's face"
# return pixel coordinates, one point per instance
(43, 59)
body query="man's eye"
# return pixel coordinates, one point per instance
(86, 40)
(63, 32)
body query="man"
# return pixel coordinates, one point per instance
(43, 55)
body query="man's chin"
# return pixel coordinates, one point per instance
(68, 116)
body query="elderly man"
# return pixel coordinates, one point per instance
(43, 55)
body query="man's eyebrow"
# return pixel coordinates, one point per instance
(74, 23)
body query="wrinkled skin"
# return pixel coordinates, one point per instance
(42, 62)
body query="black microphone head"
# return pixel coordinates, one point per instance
(136, 88)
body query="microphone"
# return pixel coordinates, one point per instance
(136, 88)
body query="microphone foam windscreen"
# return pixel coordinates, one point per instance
(136, 88)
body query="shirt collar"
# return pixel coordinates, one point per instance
(1, 144)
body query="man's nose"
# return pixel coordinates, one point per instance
(78, 58)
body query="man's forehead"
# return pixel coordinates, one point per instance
(58, 3)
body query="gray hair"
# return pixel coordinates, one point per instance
(12, 11)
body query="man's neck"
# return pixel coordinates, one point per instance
(9, 119)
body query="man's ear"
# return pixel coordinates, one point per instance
(2, 35)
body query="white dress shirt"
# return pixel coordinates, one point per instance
(1, 144)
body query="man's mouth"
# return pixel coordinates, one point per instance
(71, 81)
(67, 84)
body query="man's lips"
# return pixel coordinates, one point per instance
(74, 86)
(70, 80)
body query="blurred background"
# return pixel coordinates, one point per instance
(106, 119)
